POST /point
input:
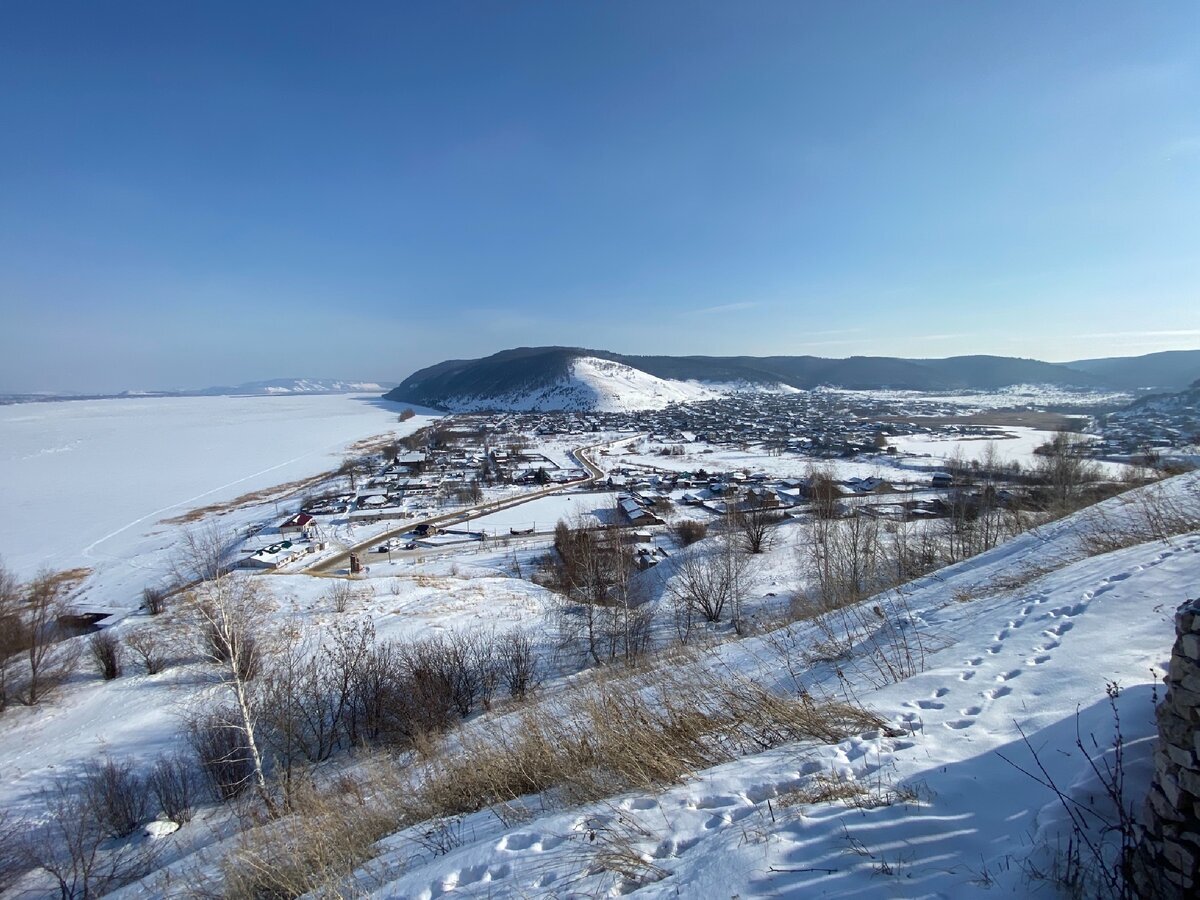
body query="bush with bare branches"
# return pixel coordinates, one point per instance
(69, 845)
(116, 797)
(517, 660)
(154, 599)
(174, 784)
(149, 647)
(107, 652)
(689, 531)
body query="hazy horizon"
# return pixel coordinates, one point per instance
(225, 193)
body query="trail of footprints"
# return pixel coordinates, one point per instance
(1041, 652)
(728, 809)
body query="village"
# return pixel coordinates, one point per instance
(471, 479)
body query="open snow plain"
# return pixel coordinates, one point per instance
(88, 483)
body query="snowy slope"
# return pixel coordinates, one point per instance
(596, 384)
(954, 818)
(1015, 639)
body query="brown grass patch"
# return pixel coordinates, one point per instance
(823, 788)
(278, 492)
(69, 579)
(621, 734)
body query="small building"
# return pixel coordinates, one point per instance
(298, 525)
(275, 556)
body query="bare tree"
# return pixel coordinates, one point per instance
(353, 467)
(1063, 468)
(12, 632)
(604, 601)
(709, 582)
(228, 616)
(688, 531)
(823, 493)
(756, 524)
(154, 599)
(116, 797)
(204, 555)
(47, 661)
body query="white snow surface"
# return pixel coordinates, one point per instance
(1014, 396)
(1016, 639)
(961, 821)
(596, 384)
(86, 483)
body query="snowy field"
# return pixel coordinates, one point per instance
(917, 455)
(543, 514)
(1017, 396)
(86, 483)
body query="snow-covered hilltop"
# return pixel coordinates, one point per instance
(594, 384)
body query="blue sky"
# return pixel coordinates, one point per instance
(211, 193)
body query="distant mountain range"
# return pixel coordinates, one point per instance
(274, 387)
(536, 378)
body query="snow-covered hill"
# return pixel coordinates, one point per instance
(1008, 645)
(1022, 642)
(599, 385)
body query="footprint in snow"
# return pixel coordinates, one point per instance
(966, 676)
(639, 804)
(959, 724)
(672, 848)
(997, 693)
(1038, 660)
(930, 704)
(971, 711)
(717, 802)
(1008, 676)
(534, 842)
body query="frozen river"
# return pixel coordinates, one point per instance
(82, 482)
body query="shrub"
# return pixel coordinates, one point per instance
(173, 782)
(115, 797)
(154, 599)
(106, 650)
(148, 647)
(689, 531)
(518, 663)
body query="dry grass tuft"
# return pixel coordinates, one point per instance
(824, 788)
(310, 851)
(617, 735)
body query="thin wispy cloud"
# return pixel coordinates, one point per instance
(728, 307)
